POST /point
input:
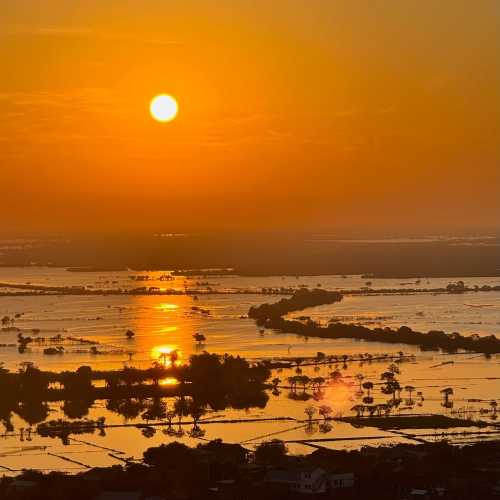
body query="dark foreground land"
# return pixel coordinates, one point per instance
(216, 470)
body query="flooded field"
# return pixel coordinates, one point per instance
(162, 324)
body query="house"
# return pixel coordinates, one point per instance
(302, 479)
(337, 481)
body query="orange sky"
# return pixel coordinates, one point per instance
(307, 113)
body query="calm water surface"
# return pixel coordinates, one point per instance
(163, 323)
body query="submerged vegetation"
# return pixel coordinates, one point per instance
(206, 288)
(271, 316)
(208, 379)
(62, 429)
(413, 422)
(301, 299)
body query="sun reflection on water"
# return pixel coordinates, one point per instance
(169, 381)
(339, 396)
(165, 306)
(167, 354)
(168, 329)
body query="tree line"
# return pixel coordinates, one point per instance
(271, 316)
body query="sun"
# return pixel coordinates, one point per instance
(163, 108)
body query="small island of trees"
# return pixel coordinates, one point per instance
(271, 316)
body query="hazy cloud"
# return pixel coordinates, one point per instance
(87, 32)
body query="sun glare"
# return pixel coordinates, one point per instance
(167, 355)
(164, 108)
(169, 381)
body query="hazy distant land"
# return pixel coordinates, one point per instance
(265, 254)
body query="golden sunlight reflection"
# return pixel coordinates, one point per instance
(340, 396)
(168, 329)
(169, 381)
(167, 355)
(167, 307)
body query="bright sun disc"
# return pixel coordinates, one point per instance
(164, 108)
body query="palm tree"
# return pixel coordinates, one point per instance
(447, 392)
(369, 387)
(156, 410)
(169, 415)
(360, 377)
(359, 409)
(397, 389)
(200, 338)
(384, 407)
(310, 411)
(325, 411)
(392, 387)
(196, 411)
(276, 381)
(409, 389)
(163, 357)
(182, 407)
(394, 369)
(174, 357)
(318, 382)
(304, 381)
(493, 405)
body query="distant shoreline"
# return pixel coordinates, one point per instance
(44, 290)
(191, 273)
(266, 254)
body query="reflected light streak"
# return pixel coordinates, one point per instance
(168, 329)
(169, 381)
(167, 307)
